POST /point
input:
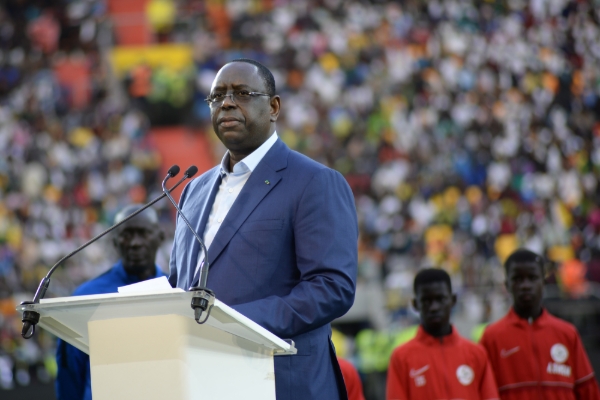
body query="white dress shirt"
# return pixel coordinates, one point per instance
(231, 186)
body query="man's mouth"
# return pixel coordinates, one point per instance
(228, 122)
(434, 318)
(135, 255)
(526, 297)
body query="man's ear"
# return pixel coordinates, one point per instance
(275, 107)
(161, 235)
(453, 299)
(415, 304)
(115, 242)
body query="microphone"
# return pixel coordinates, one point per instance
(31, 318)
(203, 298)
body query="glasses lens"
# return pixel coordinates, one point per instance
(241, 95)
(216, 97)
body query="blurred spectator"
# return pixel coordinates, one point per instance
(136, 242)
(351, 380)
(465, 129)
(70, 157)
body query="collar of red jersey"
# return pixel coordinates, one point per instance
(540, 321)
(429, 340)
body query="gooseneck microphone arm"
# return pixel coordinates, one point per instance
(31, 318)
(203, 298)
(191, 171)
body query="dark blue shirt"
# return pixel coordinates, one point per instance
(73, 380)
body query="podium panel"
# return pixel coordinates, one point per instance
(175, 358)
(148, 346)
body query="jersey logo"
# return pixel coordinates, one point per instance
(558, 369)
(510, 352)
(417, 372)
(465, 375)
(559, 354)
(417, 375)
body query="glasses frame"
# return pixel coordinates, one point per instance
(215, 103)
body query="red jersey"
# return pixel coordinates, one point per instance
(541, 360)
(430, 368)
(352, 380)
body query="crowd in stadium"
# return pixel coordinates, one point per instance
(465, 129)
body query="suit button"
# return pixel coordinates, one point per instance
(220, 220)
(230, 190)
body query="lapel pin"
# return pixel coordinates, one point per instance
(267, 182)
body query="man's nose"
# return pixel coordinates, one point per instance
(136, 240)
(526, 284)
(228, 102)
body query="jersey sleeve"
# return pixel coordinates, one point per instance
(586, 386)
(397, 388)
(487, 387)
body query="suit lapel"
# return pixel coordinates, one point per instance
(206, 198)
(262, 180)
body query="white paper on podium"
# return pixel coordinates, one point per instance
(156, 285)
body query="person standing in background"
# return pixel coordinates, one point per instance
(137, 243)
(535, 355)
(351, 380)
(438, 363)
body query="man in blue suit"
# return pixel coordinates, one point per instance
(280, 229)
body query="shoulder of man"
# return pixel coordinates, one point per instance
(206, 175)
(476, 349)
(99, 284)
(296, 159)
(560, 324)
(561, 330)
(198, 182)
(413, 346)
(495, 329)
(309, 170)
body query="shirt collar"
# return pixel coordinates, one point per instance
(427, 339)
(540, 321)
(249, 162)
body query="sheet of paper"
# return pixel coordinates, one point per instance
(156, 285)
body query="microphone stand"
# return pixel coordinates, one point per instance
(203, 298)
(31, 318)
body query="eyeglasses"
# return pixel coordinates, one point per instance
(238, 97)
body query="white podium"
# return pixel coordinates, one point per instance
(148, 346)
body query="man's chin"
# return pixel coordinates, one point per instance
(435, 323)
(233, 135)
(527, 304)
(136, 267)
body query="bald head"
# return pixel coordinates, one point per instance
(137, 241)
(149, 214)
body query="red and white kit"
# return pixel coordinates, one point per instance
(430, 368)
(542, 359)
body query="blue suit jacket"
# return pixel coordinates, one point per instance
(285, 256)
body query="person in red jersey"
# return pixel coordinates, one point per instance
(352, 380)
(535, 355)
(438, 364)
